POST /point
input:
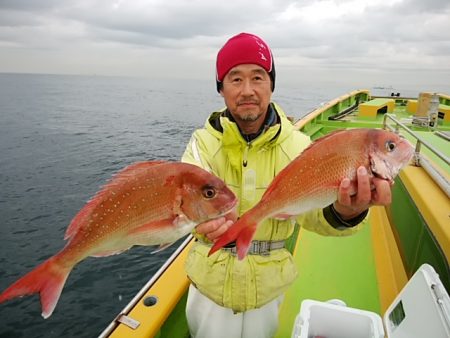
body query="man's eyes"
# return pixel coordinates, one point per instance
(255, 78)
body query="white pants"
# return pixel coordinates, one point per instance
(206, 319)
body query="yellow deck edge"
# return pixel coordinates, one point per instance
(169, 288)
(391, 274)
(434, 205)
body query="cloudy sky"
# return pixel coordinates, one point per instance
(378, 42)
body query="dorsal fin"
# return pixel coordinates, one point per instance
(122, 176)
(309, 148)
(325, 137)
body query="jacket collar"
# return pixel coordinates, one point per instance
(236, 146)
(276, 128)
(271, 120)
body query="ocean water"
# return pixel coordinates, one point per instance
(61, 138)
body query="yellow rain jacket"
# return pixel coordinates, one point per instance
(248, 169)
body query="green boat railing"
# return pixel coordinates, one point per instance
(419, 159)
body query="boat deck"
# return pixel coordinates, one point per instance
(342, 268)
(369, 269)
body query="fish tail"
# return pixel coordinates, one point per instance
(244, 240)
(241, 232)
(47, 279)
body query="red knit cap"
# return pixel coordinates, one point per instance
(242, 49)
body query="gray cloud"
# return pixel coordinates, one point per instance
(151, 37)
(29, 6)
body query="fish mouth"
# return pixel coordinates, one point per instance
(381, 177)
(229, 207)
(224, 209)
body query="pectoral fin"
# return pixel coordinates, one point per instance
(282, 217)
(180, 220)
(162, 247)
(152, 226)
(108, 253)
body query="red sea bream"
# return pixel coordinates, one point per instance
(147, 203)
(312, 179)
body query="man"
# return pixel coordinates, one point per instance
(246, 145)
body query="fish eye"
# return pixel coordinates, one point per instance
(208, 192)
(390, 146)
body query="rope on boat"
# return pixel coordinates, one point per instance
(345, 112)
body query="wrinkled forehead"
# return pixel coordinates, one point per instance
(247, 69)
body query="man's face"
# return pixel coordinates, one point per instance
(247, 92)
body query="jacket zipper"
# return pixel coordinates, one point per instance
(245, 155)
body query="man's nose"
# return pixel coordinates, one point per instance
(247, 87)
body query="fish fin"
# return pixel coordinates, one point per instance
(282, 217)
(162, 247)
(244, 240)
(177, 203)
(108, 253)
(332, 134)
(242, 232)
(152, 226)
(47, 279)
(311, 147)
(117, 179)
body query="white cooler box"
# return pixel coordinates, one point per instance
(421, 310)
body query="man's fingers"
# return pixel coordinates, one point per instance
(207, 227)
(344, 193)
(369, 191)
(382, 194)
(364, 194)
(232, 215)
(213, 229)
(214, 235)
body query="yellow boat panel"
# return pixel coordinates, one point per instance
(168, 289)
(391, 273)
(411, 106)
(370, 108)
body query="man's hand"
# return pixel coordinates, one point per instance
(369, 191)
(213, 229)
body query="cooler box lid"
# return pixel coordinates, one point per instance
(422, 308)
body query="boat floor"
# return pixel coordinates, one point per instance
(332, 268)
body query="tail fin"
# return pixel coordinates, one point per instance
(242, 232)
(47, 279)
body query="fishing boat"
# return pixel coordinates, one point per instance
(366, 271)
